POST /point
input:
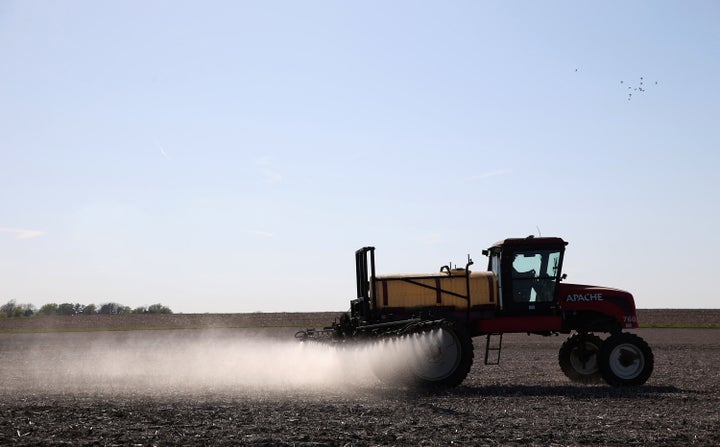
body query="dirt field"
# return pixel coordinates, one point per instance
(697, 318)
(257, 387)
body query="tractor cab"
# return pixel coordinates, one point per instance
(528, 272)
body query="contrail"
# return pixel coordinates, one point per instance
(22, 233)
(161, 149)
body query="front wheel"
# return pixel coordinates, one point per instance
(578, 358)
(625, 360)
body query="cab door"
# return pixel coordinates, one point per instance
(530, 277)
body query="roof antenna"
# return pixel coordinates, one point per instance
(539, 233)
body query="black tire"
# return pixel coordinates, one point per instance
(625, 360)
(442, 358)
(578, 358)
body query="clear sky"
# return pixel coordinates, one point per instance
(230, 156)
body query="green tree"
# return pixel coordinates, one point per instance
(109, 308)
(66, 309)
(90, 309)
(114, 309)
(30, 310)
(49, 309)
(9, 308)
(140, 310)
(158, 309)
(23, 310)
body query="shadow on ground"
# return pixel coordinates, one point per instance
(566, 391)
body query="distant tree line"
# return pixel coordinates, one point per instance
(13, 310)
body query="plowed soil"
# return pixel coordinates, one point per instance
(88, 388)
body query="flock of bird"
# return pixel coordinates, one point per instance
(639, 88)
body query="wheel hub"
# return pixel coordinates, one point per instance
(627, 361)
(437, 355)
(585, 360)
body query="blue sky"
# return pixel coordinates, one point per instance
(231, 156)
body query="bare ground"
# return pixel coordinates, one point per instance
(646, 317)
(524, 401)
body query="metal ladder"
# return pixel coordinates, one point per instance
(493, 347)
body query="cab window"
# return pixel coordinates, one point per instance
(534, 275)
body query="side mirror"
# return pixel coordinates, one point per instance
(564, 275)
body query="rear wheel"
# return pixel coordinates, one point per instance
(578, 358)
(442, 357)
(625, 360)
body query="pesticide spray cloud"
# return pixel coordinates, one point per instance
(190, 361)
